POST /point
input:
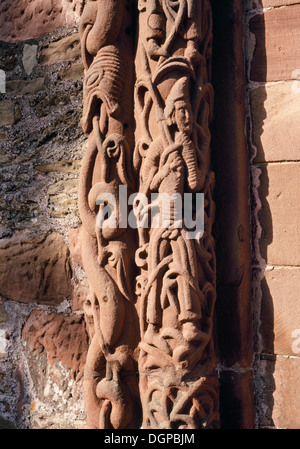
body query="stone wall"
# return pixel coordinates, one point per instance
(273, 56)
(43, 340)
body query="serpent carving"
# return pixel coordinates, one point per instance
(148, 105)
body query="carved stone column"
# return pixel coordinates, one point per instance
(174, 100)
(162, 273)
(108, 247)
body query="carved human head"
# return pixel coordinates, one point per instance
(178, 110)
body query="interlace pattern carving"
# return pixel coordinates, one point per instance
(110, 382)
(153, 288)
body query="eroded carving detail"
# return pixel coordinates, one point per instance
(153, 289)
(111, 388)
(176, 284)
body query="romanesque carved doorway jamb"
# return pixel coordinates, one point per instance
(148, 109)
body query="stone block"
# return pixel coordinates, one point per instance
(3, 344)
(67, 186)
(275, 3)
(35, 268)
(277, 52)
(280, 393)
(29, 57)
(62, 205)
(276, 122)
(60, 167)
(63, 198)
(74, 73)
(279, 216)
(75, 245)
(80, 296)
(66, 49)
(24, 87)
(55, 347)
(7, 113)
(63, 338)
(280, 318)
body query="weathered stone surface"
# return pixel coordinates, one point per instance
(60, 167)
(45, 147)
(279, 193)
(33, 18)
(281, 392)
(275, 113)
(68, 186)
(29, 58)
(75, 245)
(45, 105)
(24, 87)
(159, 145)
(62, 205)
(8, 113)
(63, 198)
(3, 344)
(8, 56)
(276, 3)
(43, 421)
(4, 157)
(277, 52)
(54, 346)
(35, 268)
(74, 73)
(19, 211)
(5, 232)
(6, 424)
(63, 338)
(60, 137)
(81, 294)
(4, 317)
(66, 49)
(280, 315)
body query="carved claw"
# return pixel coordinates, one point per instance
(155, 51)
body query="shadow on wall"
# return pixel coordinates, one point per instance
(232, 226)
(262, 226)
(243, 313)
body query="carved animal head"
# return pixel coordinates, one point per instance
(103, 83)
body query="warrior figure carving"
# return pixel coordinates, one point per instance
(176, 284)
(148, 104)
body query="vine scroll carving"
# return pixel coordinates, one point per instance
(148, 104)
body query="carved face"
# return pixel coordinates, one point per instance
(156, 20)
(183, 117)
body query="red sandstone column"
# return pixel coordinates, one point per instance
(176, 284)
(110, 382)
(163, 274)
